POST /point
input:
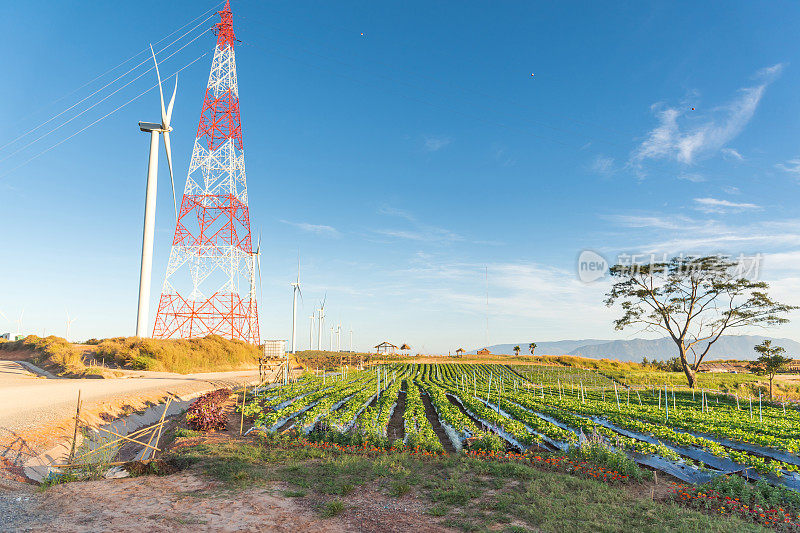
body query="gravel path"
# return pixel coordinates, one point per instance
(20, 508)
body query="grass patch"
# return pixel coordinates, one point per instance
(399, 488)
(53, 353)
(295, 493)
(468, 493)
(332, 508)
(178, 355)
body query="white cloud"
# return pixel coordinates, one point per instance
(693, 177)
(714, 205)
(434, 143)
(732, 190)
(603, 165)
(319, 229)
(419, 231)
(792, 166)
(730, 153)
(680, 234)
(654, 222)
(670, 140)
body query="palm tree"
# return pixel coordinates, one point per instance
(532, 347)
(516, 350)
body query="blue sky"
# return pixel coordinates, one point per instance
(402, 162)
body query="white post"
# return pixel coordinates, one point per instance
(148, 236)
(760, 419)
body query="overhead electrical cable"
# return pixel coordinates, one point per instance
(198, 58)
(101, 88)
(112, 69)
(18, 150)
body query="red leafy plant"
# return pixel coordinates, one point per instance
(207, 413)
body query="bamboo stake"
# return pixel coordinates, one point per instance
(75, 433)
(244, 399)
(123, 437)
(161, 425)
(116, 441)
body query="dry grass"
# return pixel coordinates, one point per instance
(53, 353)
(212, 353)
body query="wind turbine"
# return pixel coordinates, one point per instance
(295, 292)
(311, 333)
(321, 311)
(339, 338)
(351, 339)
(148, 233)
(69, 323)
(257, 256)
(330, 346)
(19, 323)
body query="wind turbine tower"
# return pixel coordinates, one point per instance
(311, 333)
(295, 292)
(321, 312)
(69, 324)
(148, 232)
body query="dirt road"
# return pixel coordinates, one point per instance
(27, 401)
(37, 413)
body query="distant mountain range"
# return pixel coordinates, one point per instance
(728, 347)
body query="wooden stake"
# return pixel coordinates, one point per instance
(75, 433)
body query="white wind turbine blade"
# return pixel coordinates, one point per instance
(164, 118)
(2, 314)
(171, 103)
(168, 149)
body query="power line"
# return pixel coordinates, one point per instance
(137, 54)
(98, 90)
(198, 58)
(18, 150)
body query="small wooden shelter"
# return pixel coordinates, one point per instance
(484, 351)
(460, 352)
(385, 347)
(405, 347)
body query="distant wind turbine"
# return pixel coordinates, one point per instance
(321, 312)
(254, 316)
(69, 323)
(19, 323)
(295, 292)
(311, 333)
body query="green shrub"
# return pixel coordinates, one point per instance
(752, 494)
(601, 454)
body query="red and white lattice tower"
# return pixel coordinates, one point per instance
(212, 249)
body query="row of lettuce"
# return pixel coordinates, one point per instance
(479, 404)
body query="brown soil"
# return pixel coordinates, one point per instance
(397, 429)
(430, 414)
(463, 411)
(187, 501)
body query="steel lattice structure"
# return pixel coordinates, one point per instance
(212, 248)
